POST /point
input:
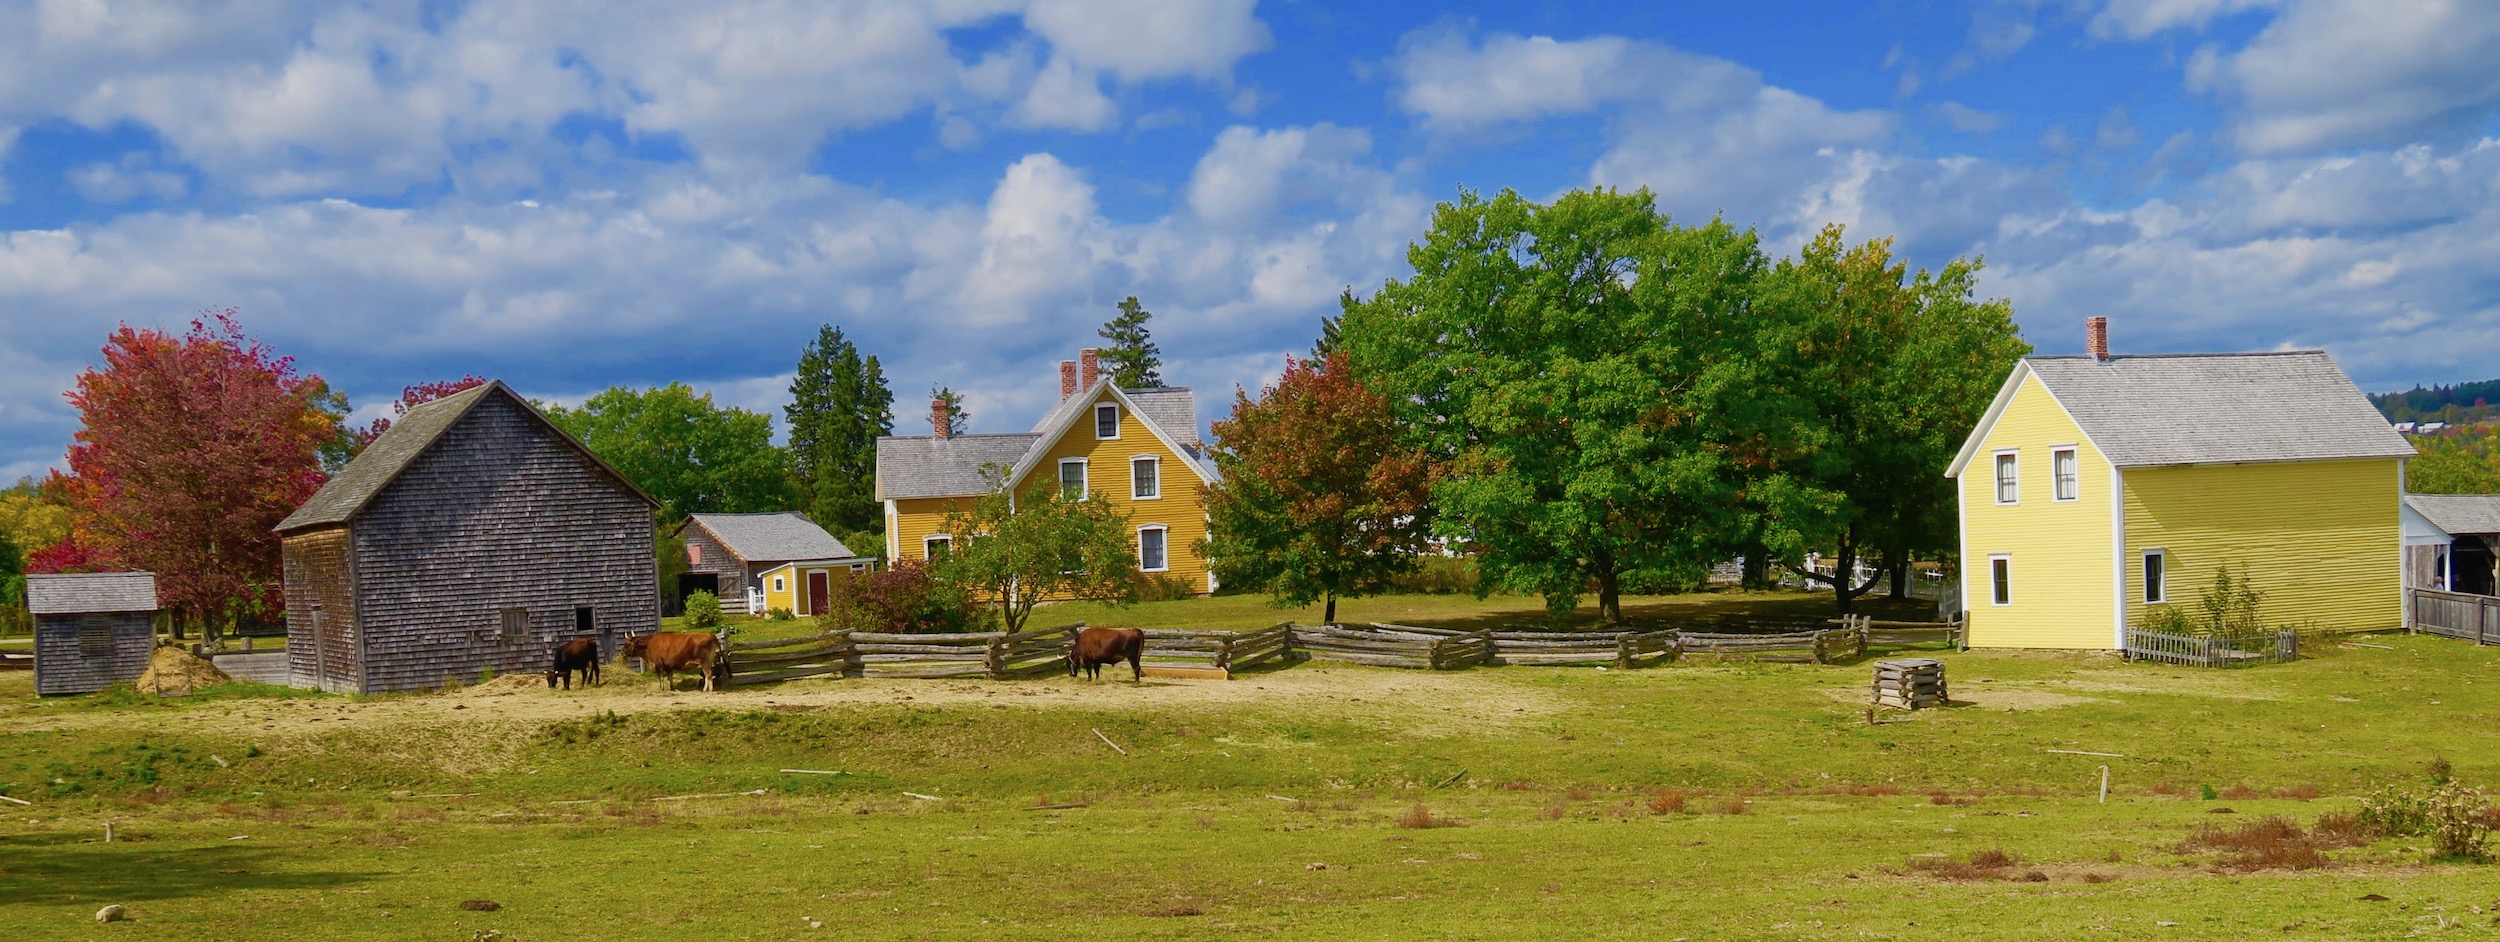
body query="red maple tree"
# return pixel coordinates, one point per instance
(1318, 497)
(194, 447)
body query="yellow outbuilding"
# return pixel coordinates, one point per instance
(2098, 488)
(1138, 448)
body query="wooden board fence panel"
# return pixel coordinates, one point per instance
(2474, 618)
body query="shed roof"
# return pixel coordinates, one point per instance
(2145, 411)
(773, 537)
(2459, 514)
(404, 442)
(81, 593)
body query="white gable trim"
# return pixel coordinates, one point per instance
(1067, 423)
(1988, 421)
(1996, 411)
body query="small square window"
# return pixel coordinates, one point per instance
(780, 584)
(935, 548)
(1107, 420)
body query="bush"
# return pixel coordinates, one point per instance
(906, 598)
(702, 610)
(1164, 587)
(1435, 575)
(2455, 817)
(780, 614)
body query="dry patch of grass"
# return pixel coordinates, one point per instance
(2274, 842)
(1992, 864)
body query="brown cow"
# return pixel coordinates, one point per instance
(1095, 647)
(666, 651)
(579, 654)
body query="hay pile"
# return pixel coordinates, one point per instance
(174, 670)
(506, 684)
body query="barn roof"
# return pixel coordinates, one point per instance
(2229, 408)
(774, 537)
(2459, 514)
(82, 593)
(408, 439)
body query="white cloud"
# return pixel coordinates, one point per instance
(1967, 119)
(2137, 19)
(1455, 84)
(1151, 39)
(1063, 97)
(2328, 74)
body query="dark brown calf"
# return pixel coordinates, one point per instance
(578, 654)
(1095, 647)
(664, 652)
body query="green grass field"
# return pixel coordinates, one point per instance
(1267, 806)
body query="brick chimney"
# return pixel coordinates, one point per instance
(2096, 337)
(938, 424)
(1089, 368)
(1067, 379)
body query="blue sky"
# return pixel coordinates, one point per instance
(570, 195)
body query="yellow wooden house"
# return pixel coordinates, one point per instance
(805, 587)
(1138, 448)
(2097, 488)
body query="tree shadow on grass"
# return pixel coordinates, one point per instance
(58, 869)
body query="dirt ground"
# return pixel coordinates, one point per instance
(1425, 703)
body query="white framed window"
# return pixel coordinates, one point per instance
(781, 583)
(2008, 482)
(2156, 576)
(2063, 474)
(1145, 479)
(936, 547)
(2001, 579)
(1072, 478)
(1106, 420)
(1152, 548)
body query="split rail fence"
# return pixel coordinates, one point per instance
(1191, 652)
(760, 662)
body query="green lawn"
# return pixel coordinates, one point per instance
(1265, 806)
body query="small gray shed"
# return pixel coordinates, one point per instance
(92, 630)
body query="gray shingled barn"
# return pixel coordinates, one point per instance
(728, 554)
(92, 630)
(472, 536)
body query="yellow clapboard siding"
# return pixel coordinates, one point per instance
(2320, 539)
(2060, 551)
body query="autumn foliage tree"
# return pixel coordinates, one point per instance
(1318, 498)
(194, 447)
(351, 440)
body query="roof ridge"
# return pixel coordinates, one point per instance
(2175, 356)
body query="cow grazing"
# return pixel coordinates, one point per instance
(1095, 647)
(578, 654)
(665, 652)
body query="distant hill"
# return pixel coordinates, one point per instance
(2461, 403)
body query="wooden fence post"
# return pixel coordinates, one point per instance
(996, 660)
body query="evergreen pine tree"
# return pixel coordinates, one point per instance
(839, 404)
(1132, 359)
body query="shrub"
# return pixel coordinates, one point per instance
(1667, 802)
(1436, 575)
(905, 598)
(702, 610)
(1164, 587)
(779, 614)
(2456, 817)
(1421, 817)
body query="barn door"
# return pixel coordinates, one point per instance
(819, 592)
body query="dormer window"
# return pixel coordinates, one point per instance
(1107, 420)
